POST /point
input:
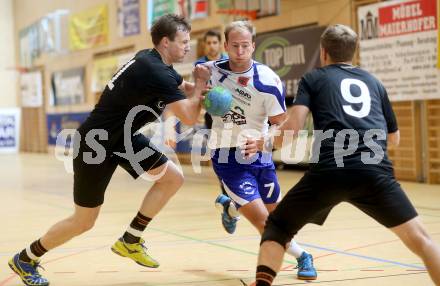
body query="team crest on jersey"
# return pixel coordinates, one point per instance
(247, 188)
(236, 116)
(243, 80)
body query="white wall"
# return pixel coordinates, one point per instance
(8, 77)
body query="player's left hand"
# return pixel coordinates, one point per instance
(252, 146)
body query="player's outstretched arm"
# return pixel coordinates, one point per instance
(188, 110)
(296, 119)
(393, 137)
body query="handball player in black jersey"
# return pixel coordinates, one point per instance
(353, 123)
(134, 97)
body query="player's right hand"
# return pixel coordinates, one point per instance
(206, 91)
(202, 73)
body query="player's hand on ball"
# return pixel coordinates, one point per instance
(201, 73)
(205, 91)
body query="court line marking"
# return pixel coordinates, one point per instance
(212, 243)
(2, 283)
(350, 279)
(303, 244)
(377, 259)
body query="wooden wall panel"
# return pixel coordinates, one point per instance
(33, 130)
(433, 141)
(407, 156)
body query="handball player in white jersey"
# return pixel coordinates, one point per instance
(258, 98)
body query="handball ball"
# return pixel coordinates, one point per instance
(218, 101)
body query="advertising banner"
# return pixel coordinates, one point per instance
(157, 8)
(290, 53)
(398, 44)
(129, 17)
(31, 89)
(89, 28)
(59, 121)
(9, 130)
(199, 9)
(68, 87)
(104, 69)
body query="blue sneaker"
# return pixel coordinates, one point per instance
(28, 271)
(306, 270)
(229, 223)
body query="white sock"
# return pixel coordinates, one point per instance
(294, 249)
(134, 231)
(232, 210)
(31, 254)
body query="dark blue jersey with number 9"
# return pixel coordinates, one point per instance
(352, 116)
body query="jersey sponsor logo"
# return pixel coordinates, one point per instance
(239, 109)
(160, 104)
(243, 93)
(241, 100)
(236, 116)
(243, 80)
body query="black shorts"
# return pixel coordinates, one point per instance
(91, 180)
(377, 194)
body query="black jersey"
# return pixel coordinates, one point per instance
(352, 115)
(143, 81)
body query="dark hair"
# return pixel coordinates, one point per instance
(212, 33)
(167, 26)
(340, 42)
(242, 25)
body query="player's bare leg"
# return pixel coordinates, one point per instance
(168, 179)
(415, 237)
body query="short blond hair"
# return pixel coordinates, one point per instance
(240, 25)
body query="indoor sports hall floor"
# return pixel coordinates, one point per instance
(187, 237)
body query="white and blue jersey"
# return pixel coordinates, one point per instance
(258, 94)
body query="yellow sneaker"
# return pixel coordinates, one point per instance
(135, 251)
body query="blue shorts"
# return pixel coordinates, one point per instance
(246, 182)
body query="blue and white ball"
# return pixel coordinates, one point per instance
(218, 101)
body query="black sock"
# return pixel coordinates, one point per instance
(139, 223)
(265, 276)
(36, 248)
